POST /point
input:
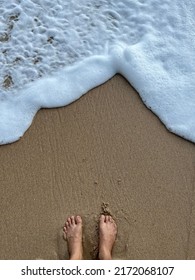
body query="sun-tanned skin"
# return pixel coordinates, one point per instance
(107, 237)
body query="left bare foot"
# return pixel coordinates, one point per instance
(107, 236)
(73, 235)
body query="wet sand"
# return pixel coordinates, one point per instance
(105, 153)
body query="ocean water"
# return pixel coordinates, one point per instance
(53, 52)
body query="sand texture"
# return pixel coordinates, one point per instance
(105, 152)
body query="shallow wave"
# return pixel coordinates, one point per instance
(53, 53)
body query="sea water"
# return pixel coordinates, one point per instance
(53, 52)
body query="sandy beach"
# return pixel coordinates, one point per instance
(105, 153)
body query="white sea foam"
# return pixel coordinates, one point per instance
(53, 52)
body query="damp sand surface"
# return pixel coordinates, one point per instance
(66, 48)
(105, 153)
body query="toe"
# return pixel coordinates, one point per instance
(107, 219)
(69, 221)
(72, 220)
(65, 229)
(67, 224)
(78, 220)
(102, 219)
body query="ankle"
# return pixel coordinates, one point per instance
(77, 256)
(104, 254)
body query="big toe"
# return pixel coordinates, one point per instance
(78, 220)
(102, 219)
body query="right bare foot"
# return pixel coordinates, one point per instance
(73, 235)
(107, 237)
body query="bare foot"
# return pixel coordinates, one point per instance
(73, 235)
(107, 237)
